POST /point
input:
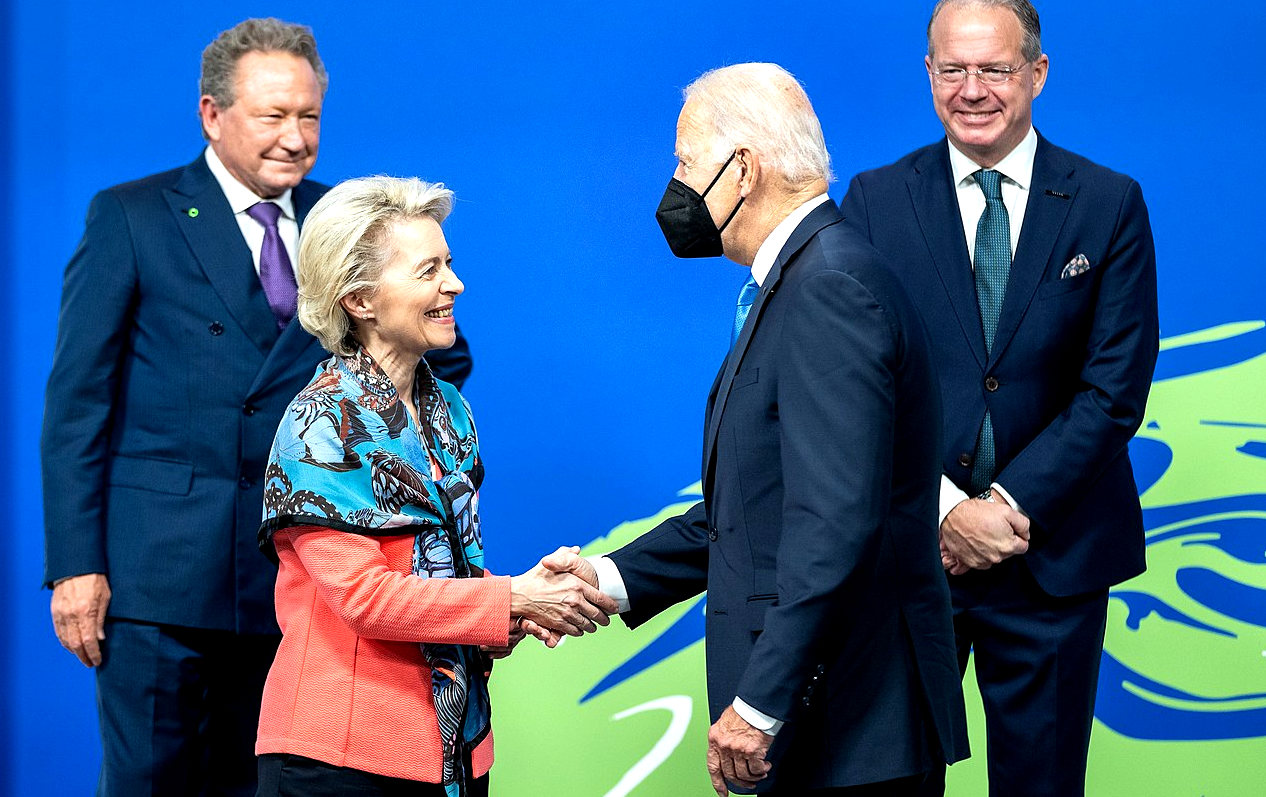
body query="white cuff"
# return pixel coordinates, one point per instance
(1006, 496)
(951, 497)
(757, 719)
(610, 583)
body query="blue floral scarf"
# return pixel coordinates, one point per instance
(347, 457)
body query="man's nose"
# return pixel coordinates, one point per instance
(291, 136)
(973, 87)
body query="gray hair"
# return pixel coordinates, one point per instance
(1030, 46)
(270, 35)
(345, 243)
(764, 107)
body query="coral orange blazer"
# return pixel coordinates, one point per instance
(349, 685)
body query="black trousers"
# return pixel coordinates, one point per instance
(1037, 666)
(285, 775)
(179, 709)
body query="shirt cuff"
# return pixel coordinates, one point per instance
(1006, 496)
(951, 497)
(757, 719)
(610, 583)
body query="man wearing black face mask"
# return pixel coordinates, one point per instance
(831, 661)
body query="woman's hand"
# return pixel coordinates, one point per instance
(517, 634)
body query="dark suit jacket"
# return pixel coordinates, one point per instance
(816, 539)
(168, 381)
(1068, 377)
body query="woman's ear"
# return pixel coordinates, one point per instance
(357, 306)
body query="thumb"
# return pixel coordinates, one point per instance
(564, 560)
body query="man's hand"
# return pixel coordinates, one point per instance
(978, 534)
(569, 560)
(559, 601)
(79, 610)
(736, 752)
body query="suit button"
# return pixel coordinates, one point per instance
(821, 669)
(991, 383)
(807, 702)
(249, 409)
(245, 483)
(712, 534)
(964, 459)
(216, 328)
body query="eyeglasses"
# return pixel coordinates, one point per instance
(989, 75)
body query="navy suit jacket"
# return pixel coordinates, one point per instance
(168, 382)
(816, 539)
(1067, 381)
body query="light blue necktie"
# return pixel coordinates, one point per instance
(747, 295)
(992, 267)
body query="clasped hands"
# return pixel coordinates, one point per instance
(559, 597)
(978, 534)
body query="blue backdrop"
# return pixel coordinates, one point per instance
(554, 124)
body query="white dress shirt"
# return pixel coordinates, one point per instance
(242, 198)
(1017, 176)
(610, 581)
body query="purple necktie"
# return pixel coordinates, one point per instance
(274, 265)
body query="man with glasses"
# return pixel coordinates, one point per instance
(1034, 269)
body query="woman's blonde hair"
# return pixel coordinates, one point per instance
(345, 244)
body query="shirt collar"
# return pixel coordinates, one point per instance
(768, 252)
(239, 196)
(1017, 166)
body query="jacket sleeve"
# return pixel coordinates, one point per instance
(352, 576)
(98, 296)
(1066, 457)
(666, 565)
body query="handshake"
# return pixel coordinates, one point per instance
(558, 597)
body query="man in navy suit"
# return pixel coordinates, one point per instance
(176, 355)
(1035, 272)
(831, 665)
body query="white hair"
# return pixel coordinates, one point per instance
(345, 243)
(763, 107)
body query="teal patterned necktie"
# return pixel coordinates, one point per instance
(992, 267)
(747, 295)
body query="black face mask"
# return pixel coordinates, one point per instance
(686, 222)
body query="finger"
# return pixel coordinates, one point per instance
(89, 644)
(599, 599)
(727, 766)
(714, 771)
(743, 773)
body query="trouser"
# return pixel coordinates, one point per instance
(1037, 666)
(179, 709)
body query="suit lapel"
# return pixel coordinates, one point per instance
(216, 242)
(821, 217)
(931, 185)
(1051, 195)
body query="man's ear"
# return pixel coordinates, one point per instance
(749, 170)
(209, 114)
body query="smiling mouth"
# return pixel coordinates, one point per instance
(443, 312)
